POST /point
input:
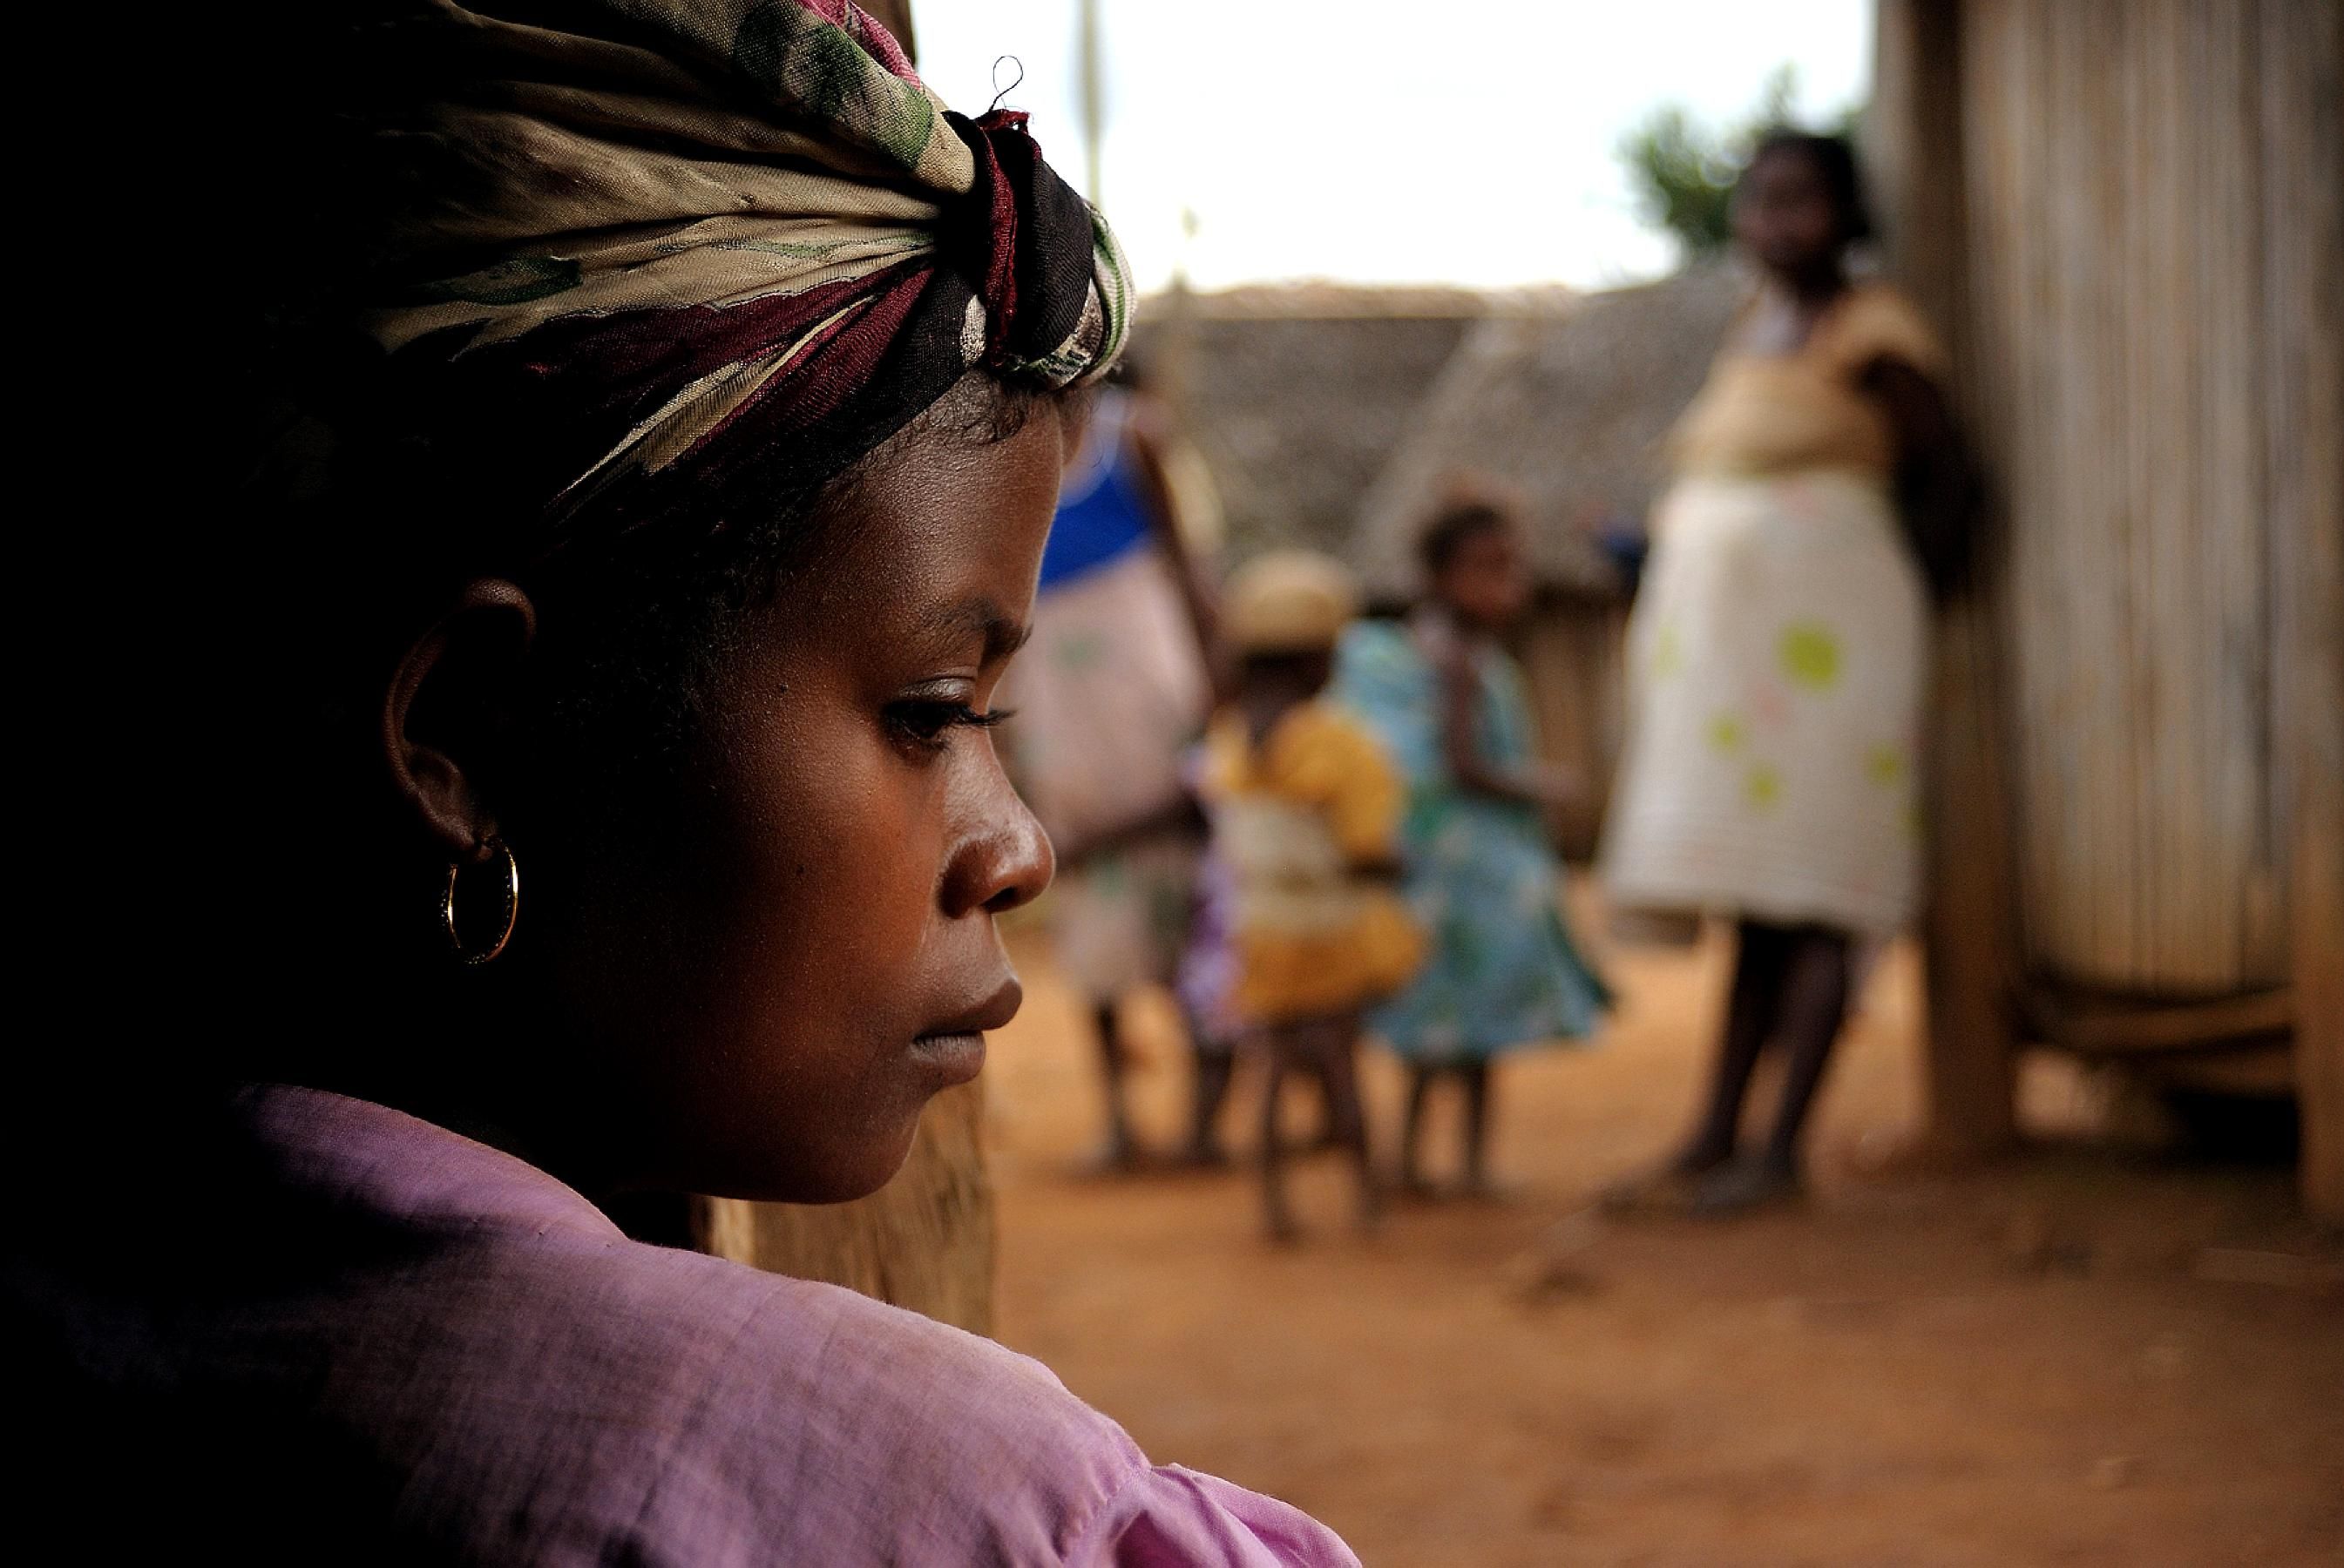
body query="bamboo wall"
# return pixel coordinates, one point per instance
(2119, 254)
(2131, 214)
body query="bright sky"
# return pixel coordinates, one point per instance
(1383, 141)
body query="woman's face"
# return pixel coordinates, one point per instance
(1486, 581)
(1784, 217)
(762, 1007)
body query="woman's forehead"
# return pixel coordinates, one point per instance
(944, 538)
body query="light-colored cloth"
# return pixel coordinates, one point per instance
(633, 249)
(395, 1344)
(1110, 693)
(1778, 650)
(1784, 414)
(1502, 971)
(1119, 919)
(1777, 656)
(1111, 688)
(609, 157)
(1291, 818)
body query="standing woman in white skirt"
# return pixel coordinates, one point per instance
(1778, 653)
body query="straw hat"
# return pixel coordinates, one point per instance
(1290, 601)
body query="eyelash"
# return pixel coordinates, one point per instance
(926, 723)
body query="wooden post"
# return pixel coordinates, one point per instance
(2303, 174)
(924, 1241)
(1914, 143)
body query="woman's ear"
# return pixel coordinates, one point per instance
(446, 711)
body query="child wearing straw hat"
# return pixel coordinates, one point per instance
(1306, 813)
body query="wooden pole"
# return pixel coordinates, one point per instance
(2303, 205)
(1914, 144)
(1094, 98)
(924, 1241)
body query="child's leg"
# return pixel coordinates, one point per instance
(1411, 1138)
(1337, 1048)
(1760, 968)
(1122, 1151)
(1215, 1066)
(1277, 1215)
(1475, 1076)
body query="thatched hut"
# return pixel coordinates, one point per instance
(2131, 214)
(1563, 406)
(1294, 397)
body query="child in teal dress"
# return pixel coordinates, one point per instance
(1451, 707)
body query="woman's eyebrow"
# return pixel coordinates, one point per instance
(982, 620)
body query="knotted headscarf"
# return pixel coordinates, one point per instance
(632, 251)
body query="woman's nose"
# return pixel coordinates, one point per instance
(1005, 860)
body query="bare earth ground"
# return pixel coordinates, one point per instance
(2029, 1364)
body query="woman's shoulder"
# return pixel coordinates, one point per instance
(774, 1410)
(392, 1337)
(1878, 320)
(434, 1341)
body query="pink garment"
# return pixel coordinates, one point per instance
(435, 1352)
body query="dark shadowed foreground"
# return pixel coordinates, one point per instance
(2084, 1357)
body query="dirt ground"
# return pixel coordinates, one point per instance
(2083, 1356)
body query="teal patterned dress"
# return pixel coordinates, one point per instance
(1484, 884)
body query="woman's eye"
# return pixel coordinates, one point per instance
(930, 722)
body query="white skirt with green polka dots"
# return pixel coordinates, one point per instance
(1777, 664)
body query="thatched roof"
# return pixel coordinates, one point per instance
(1566, 408)
(1297, 396)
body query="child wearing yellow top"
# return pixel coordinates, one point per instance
(1306, 812)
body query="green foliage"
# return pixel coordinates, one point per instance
(1684, 171)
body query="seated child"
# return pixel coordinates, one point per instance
(1305, 816)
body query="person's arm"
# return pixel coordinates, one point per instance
(1460, 693)
(1936, 487)
(1145, 429)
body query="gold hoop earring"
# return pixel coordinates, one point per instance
(513, 905)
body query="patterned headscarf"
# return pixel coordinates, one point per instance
(628, 252)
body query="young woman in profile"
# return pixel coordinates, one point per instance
(661, 408)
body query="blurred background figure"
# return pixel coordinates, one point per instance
(1110, 692)
(1778, 651)
(1306, 814)
(1450, 704)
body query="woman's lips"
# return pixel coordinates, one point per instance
(956, 1047)
(955, 1058)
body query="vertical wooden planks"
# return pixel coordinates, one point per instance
(2116, 233)
(2301, 49)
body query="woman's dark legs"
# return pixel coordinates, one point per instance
(1814, 1007)
(1760, 965)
